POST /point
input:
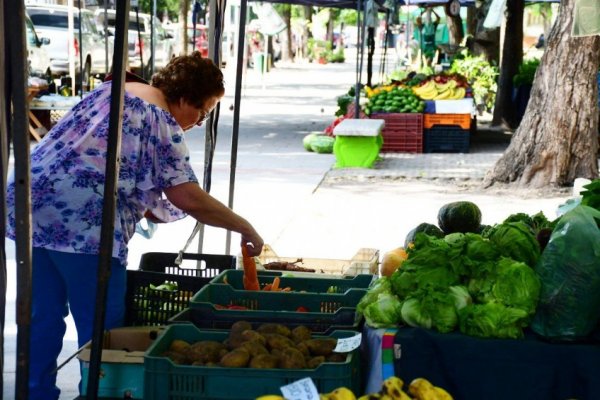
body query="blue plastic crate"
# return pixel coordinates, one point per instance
(446, 139)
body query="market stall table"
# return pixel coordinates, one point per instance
(471, 368)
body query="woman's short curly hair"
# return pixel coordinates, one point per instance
(190, 77)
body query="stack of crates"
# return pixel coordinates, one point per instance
(447, 133)
(402, 133)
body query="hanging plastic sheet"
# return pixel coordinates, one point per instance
(586, 18)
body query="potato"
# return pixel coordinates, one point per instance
(300, 334)
(277, 341)
(237, 358)
(291, 358)
(274, 328)
(315, 362)
(205, 351)
(264, 361)
(321, 347)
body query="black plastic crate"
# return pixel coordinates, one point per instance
(198, 265)
(145, 306)
(345, 318)
(148, 307)
(446, 139)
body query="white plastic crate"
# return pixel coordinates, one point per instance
(365, 261)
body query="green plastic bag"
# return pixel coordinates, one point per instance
(569, 271)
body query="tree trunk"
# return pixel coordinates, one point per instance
(471, 21)
(557, 140)
(183, 11)
(512, 56)
(330, 23)
(308, 12)
(486, 42)
(455, 28)
(287, 53)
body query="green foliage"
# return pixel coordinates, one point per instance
(171, 6)
(318, 49)
(591, 194)
(348, 17)
(337, 56)
(481, 75)
(526, 72)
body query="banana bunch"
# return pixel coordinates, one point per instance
(432, 90)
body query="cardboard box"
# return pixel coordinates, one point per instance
(122, 365)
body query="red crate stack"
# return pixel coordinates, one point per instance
(402, 133)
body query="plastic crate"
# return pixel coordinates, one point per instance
(365, 261)
(402, 133)
(198, 265)
(446, 139)
(324, 324)
(461, 120)
(145, 306)
(214, 296)
(122, 362)
(234, 278)
(165, 380)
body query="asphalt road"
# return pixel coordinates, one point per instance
(297, 202)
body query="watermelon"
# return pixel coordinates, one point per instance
(322, 144)
(428, 229)
(459, 216)
(308, 139)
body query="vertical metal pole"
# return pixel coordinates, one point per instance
(106, 37)
(4, 139)
(110, 192)
(81, 54)
(359, 45)
(236, 108)
(15, 38)
(152, 39)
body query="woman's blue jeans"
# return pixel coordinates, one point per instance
(63, 282)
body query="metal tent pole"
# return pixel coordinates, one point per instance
(236, 107)
(4, 139)
(80, 52)
(110, 192)
(359, 40)
(17, 73)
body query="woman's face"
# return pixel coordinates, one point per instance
(188, 116)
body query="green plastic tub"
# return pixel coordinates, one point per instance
(297, 283)
(224, 297)
(165, 380)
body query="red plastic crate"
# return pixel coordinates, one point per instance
(402, 133)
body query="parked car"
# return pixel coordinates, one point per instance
(37, 56)
(52, 21)
(163, 46)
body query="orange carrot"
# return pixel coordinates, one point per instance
(250, 276)
(267, 287)
(275, 286)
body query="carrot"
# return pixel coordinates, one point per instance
(250, 276)
(267, 287)
(275, 286)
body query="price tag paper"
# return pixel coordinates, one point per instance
(346, 345)
(304, 389)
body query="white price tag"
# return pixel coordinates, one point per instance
(304, 389)
(346, 345)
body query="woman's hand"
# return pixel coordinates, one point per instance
(253, 243)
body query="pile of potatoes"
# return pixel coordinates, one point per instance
(270, 345)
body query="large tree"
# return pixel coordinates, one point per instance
(557, 141)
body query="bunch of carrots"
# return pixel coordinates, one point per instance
(251, 277)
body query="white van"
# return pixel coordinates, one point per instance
(51, 21)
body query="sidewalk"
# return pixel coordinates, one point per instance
(297, 202)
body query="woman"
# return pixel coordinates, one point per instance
(67, 184)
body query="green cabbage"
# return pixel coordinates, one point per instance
(384, 312)
(516, 285)
(461, 297)
(381, 285)
(414, 315)
(492, 320)
(517, 241)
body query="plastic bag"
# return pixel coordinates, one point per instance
(569, 270)
(146, 228)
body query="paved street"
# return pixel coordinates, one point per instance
(299, 204)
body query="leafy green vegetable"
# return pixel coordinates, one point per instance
(381, 285)
(591, 194)
(385, 312)
(526, 72)
(414, 315)
(439, 304)
(516, 285)
(517, 241)
(492, 320)
(461, 297)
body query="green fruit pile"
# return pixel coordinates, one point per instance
(396, 100)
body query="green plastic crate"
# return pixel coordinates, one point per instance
(297, 284)
(165, 380)
(215, 296)
(323, 324)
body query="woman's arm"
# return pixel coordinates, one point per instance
(190, 198)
